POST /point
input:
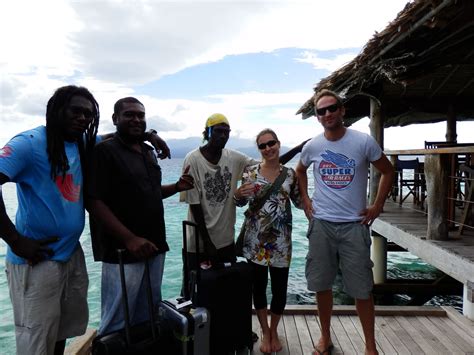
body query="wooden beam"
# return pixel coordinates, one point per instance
(459, 319)
(459, 149)
(445, 80)
(437, 181)
(376, 131)
(379, 310)
(469, 83)
(451, 135)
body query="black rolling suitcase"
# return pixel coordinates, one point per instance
(226, 291)
(140, 339)
(185, 326)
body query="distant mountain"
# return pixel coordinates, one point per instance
(181, 147)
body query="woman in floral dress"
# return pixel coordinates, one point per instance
(267, 239)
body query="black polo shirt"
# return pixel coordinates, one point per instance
(129, 183)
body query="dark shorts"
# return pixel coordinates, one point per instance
(339, 245)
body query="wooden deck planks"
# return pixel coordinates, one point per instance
(440, 334)
(414, 334)
(391, 336)
(294, 345)
(304, 334)
(404, 332)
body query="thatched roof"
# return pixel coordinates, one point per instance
(417, 67)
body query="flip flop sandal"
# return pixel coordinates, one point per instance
(327, 351)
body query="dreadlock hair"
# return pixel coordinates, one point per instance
(55, 111)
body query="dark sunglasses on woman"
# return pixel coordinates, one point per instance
(271, 143)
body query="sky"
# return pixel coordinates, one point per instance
(254, 61)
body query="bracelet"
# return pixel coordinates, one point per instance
(239, 201)
(176, 186)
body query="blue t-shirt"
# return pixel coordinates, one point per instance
(46, 208)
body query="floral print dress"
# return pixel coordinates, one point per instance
(268, 231)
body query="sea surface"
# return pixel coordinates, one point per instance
(400, 264)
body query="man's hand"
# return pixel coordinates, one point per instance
(159, 144)
(34, 251)
(186, 181)
(308, 207)
(141, 248)
(370, 214)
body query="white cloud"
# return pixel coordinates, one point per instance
(329, 64)
(110, 46)
(139, 41)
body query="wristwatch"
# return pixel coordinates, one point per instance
(149, 133)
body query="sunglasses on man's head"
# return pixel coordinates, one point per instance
(331, 108)
(271, 143)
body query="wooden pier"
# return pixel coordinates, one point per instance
(398, 330)
(406, 226)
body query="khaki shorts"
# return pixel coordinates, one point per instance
(49, 302)
(339, 245)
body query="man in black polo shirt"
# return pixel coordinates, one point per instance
(126, 206)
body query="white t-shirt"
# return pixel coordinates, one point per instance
(340, 171)
(214, 187)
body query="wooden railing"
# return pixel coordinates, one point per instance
(441, 174)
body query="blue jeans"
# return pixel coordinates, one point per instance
(112, 314)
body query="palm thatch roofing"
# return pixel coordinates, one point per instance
(418, 66)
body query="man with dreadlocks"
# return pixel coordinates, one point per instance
(50, 299)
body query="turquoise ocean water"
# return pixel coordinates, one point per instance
(403, 265)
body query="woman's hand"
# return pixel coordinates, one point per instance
(245, 191)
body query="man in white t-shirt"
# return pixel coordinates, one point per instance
(216, 171)
(338, 234)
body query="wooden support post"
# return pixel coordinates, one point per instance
(376, 131)
(451, 134)
(379, 243)
(437, 181)
(379, 258)
(468, 300)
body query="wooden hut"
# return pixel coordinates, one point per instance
(419, 69)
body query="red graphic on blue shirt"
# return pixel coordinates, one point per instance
(68, 189)
(337, 171)
(6, 151)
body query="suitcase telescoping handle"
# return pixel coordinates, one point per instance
(185, 258)
(125, 298)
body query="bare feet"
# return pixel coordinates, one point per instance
(266, 345)
(324, 346)
(276, 345)
(371, 352)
